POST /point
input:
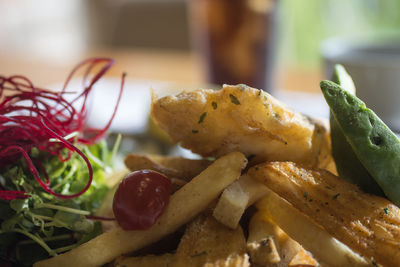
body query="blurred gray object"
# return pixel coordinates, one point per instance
(375, 69)
(158, 24)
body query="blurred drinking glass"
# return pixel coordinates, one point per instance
(235, 38)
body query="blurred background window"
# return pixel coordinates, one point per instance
(64, 31)
(43, 28)
(153, 24)
(304, 24)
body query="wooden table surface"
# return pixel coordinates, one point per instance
(184, 68)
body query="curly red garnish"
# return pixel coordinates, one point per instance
(9, 195)
(33, 117)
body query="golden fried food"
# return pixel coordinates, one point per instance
(241, 118)
(234, 260)
(260, 227)
(311, 236)
(236, 198)
(144, 261)
(172, 167)
(263, 252)
(231, 205)
(370, 225)
(184, 205)
(207, 242)
(302, 258)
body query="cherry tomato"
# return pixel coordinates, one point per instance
(140, 199)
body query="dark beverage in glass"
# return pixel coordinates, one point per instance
(235, 38)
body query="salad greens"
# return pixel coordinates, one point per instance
(41, 225)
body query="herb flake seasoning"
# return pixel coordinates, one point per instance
(214, 105)
(386, 211)
(336, 196)
(195, 131)
(234, 100)
(202, 117)
(277, 116)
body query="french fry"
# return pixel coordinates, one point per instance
(201, 191)
(236, 198)
(302, 258)
(144, 261)
(311, 236)
(208, 242)
(255, 189)
(231, 261)
(263, 252)
(136, 162)
(231, 205)
(187, 167)
(261, 227)
(368, 224)
(173, 167)
(287, 248)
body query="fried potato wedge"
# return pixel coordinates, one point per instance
(263, 252)
(144, 261)
(173, 167)
(236, 198)
(231, 205)
(254, 188)
(201, 191)
(370, 225)
(241, 118)
(311, 236)
(302, 258)
(231, 261)
(207, 242)
(260, 227)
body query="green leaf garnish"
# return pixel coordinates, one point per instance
(46, 223)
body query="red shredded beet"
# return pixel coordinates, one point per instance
(8, 195)
(33, 117)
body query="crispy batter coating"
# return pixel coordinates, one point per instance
(241, 118)
(144, 261)
(207, 242)
(368, 224)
